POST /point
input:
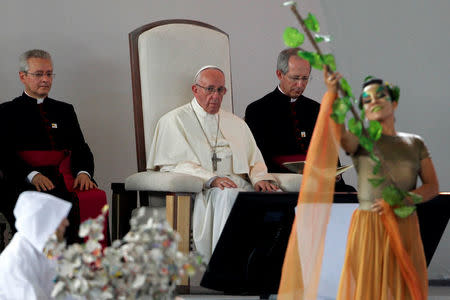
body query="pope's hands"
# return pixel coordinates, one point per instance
(42, 183)
(223, 182)
(84, 182)
(260, 186)
(265, 186)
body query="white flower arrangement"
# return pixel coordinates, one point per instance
(145, 264)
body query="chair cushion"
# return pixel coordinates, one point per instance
(163, 182)
(175, 182)
(289, 182)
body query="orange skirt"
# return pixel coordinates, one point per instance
(370, 268)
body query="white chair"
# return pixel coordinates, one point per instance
(165, 56)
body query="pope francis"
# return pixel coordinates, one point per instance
(202, 140)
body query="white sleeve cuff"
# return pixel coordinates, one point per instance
(84, 172)
(208, 183)
(31, 175)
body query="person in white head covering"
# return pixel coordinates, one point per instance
(25, 272)
(202, 140)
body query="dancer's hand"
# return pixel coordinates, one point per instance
(378, 206)
(331, 80)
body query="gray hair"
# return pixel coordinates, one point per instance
(283, 59)
(197, 75)
(35, 53)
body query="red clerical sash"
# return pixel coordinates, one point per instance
(90, 202)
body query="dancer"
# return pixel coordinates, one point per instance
(378, 264)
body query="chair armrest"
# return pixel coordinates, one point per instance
(289, 182)
(163, 182)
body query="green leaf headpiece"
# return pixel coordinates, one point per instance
(393, 90)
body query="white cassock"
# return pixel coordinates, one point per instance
(25, 272)
(179, 145)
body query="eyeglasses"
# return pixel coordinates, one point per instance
(211, 90)
(39, 75)
(298, 79)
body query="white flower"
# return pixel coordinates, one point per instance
(289, 3)
(326, 38)
(144, 263)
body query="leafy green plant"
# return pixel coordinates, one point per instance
(367, 136)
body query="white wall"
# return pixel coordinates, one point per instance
(406, 42)
(89, 43)
(408, 45)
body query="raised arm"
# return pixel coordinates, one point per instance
(349, 142)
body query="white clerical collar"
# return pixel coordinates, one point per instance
(39, 100)
(200, 111)
(292, 99)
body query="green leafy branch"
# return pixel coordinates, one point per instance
(367, 136)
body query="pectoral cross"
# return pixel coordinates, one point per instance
(215, 159)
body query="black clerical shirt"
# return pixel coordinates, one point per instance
(52, 125)
(281, 128)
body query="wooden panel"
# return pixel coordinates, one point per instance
(183, 210)
(184, 227)
(170, 211)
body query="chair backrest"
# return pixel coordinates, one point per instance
(164, 58)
